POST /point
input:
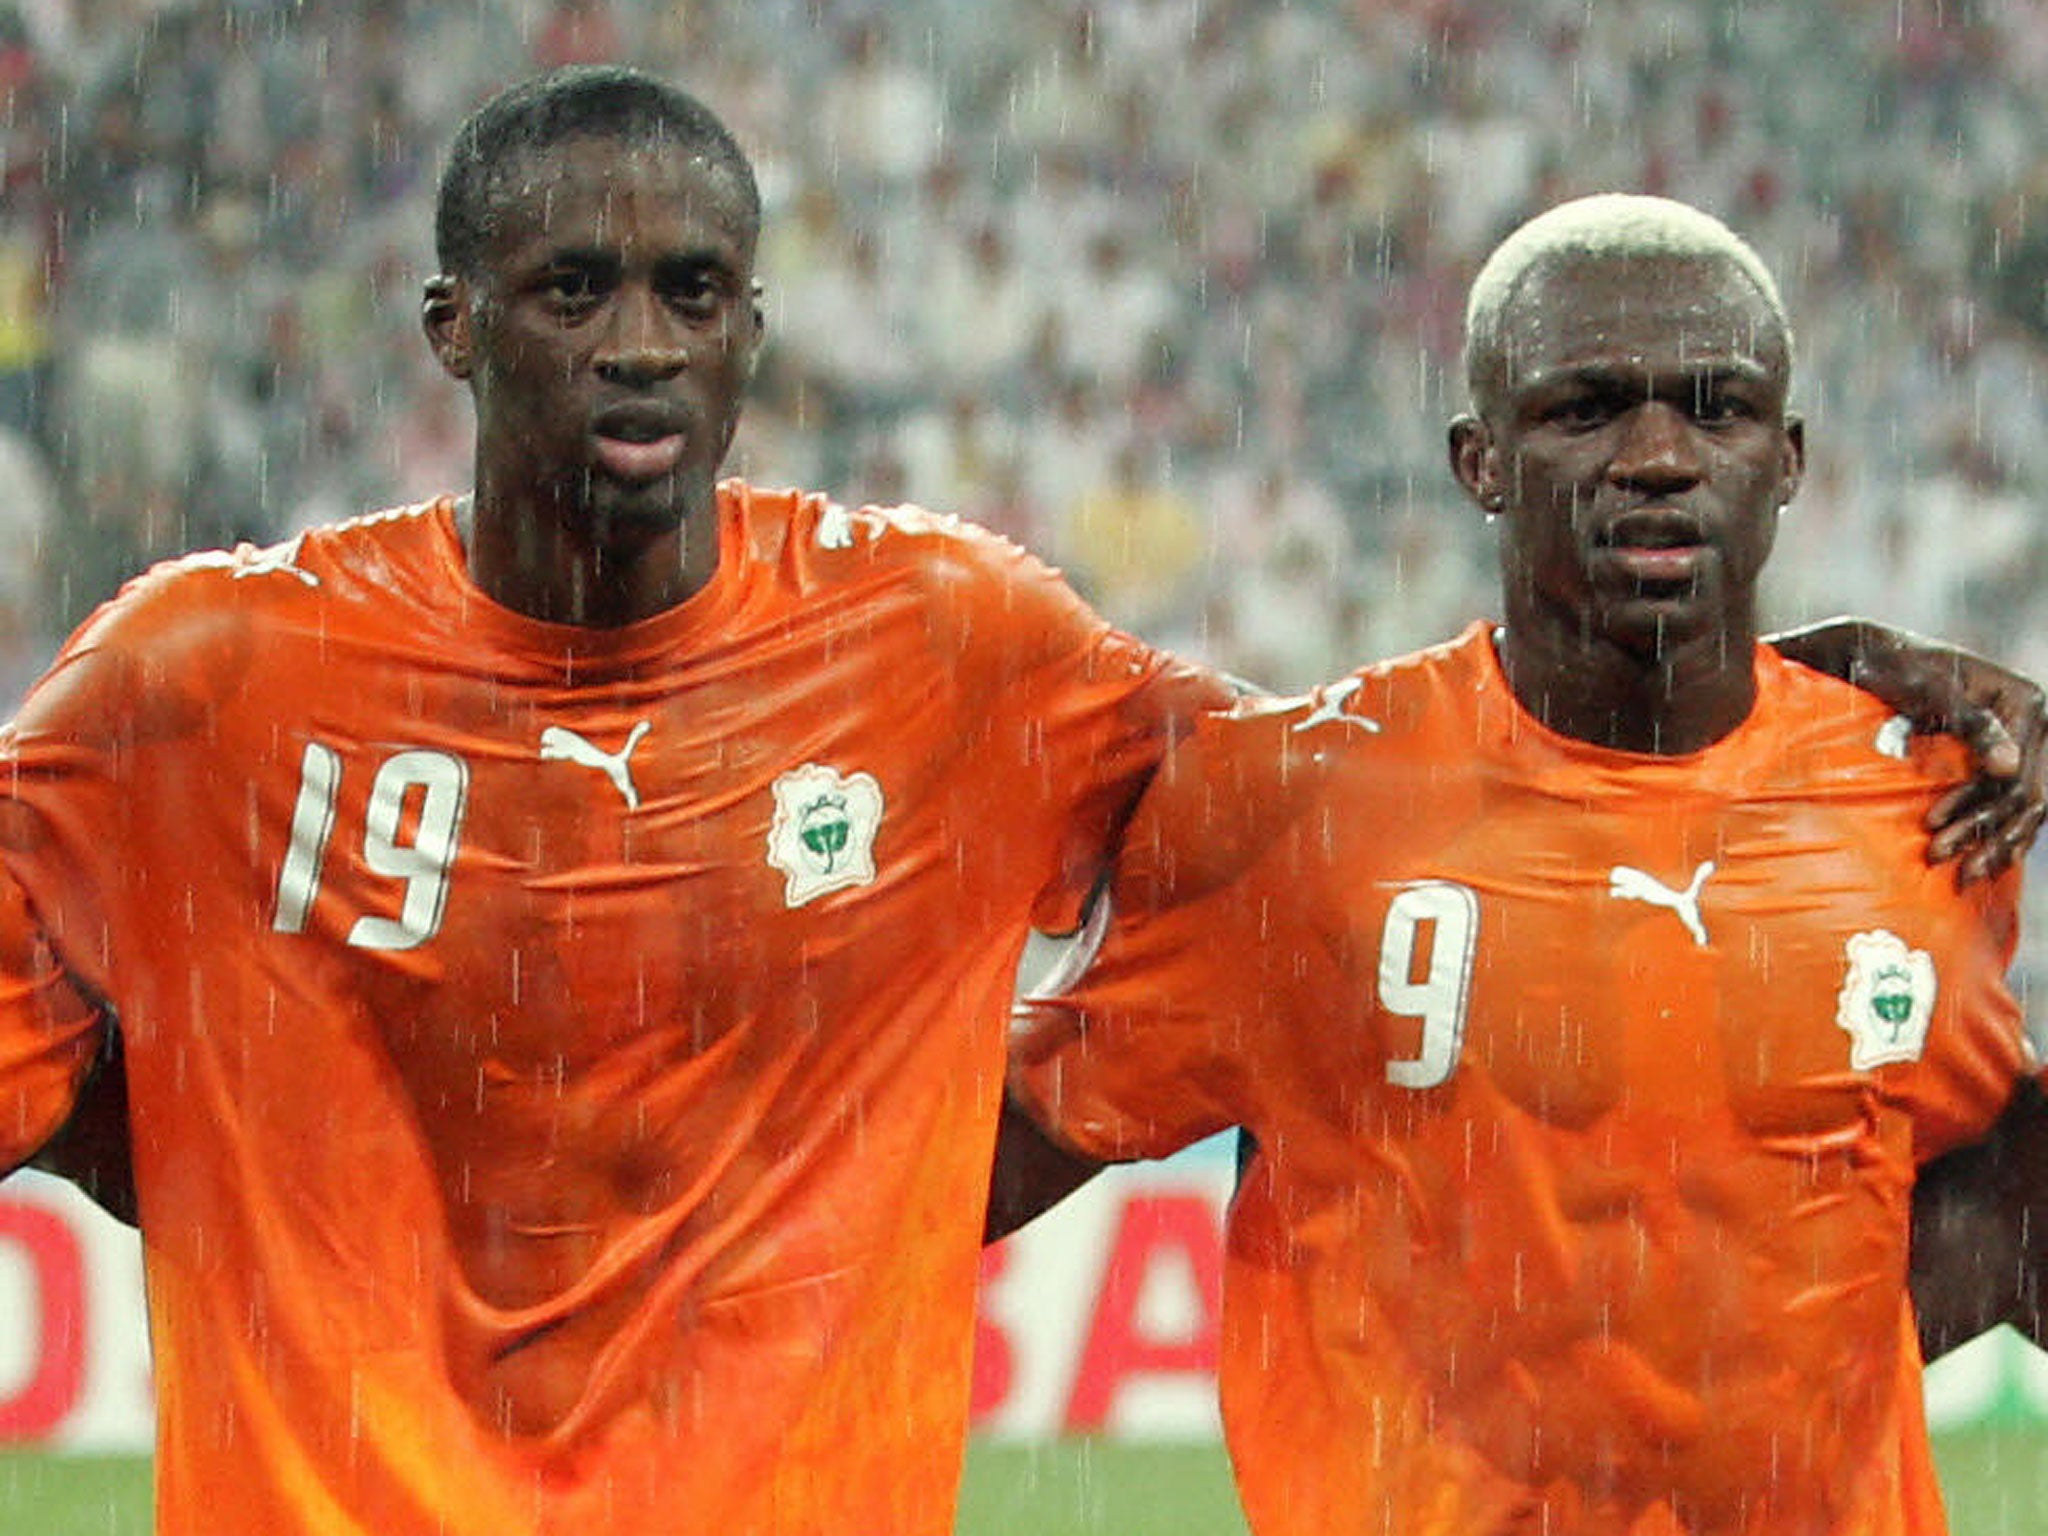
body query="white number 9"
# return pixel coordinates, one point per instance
(1441, 997)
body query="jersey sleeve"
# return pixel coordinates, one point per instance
(65, 785)
(1083, 708)
(1977, 1051)
(124, 719)
(1142, 1053)
(49, 1034)
(62, 793)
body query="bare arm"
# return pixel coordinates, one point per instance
(1032, 1172)
(1980, 1232)
(91, 1148)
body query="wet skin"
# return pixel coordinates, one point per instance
(1637, 446)
(607, 337)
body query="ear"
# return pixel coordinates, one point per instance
(1476, 463)
(1795, 461)
(444, 316)
(759, 331)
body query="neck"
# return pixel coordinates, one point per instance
(1665, 700)
(554, 571)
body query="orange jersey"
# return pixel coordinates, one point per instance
(1589, 1089)
(49, 1034)
(564, 1063)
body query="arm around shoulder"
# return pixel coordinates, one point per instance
(1989, 823)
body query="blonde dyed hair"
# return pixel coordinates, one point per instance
(1619, 226)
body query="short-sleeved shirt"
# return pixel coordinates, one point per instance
(564, 1063)
(1588, 1089)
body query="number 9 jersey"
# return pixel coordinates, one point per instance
(1587, 1087)
(564, 1062)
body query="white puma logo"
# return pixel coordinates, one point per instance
(836, 526)
(560, 744)
(1628, 884)
(282, 560)
(1332, 707)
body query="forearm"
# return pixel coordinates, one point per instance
(1980, 1233)
(1832, 645)
(1032, 1172)
(92, 1147)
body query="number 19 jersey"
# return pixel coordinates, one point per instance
(564, 1063)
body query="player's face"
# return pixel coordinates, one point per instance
(608, 337)
(1639, 451)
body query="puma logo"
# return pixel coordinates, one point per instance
(1331, 708)
(837, 526)
(558, 744)
(282, 560)
(1626, 884)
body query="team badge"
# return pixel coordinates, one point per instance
(823, 834)
(1886, 1001)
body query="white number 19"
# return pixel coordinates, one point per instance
(424, 862)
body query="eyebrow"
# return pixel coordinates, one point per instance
(582, 256)
(697, 259)
(1626, 379)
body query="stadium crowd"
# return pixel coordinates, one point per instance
(1166, 288)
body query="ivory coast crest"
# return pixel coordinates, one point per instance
(823, 834)
(1886, 1001)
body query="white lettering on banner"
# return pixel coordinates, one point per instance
(1100, 1317)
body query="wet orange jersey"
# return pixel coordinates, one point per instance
(1589, 1089)
(564, 1063)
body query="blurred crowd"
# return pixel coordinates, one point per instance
(1167, 289)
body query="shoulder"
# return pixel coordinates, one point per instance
(1272, 771)
(825, 541)
(1285, 747)
(1866, 779)
(1395, 707)
(250, 577)
(187, 633)
(1826, 730)
(1235, 786)
(985, 603)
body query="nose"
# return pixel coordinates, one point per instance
(1657, 451)
(643, 342)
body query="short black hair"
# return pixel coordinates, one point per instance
(580, 101)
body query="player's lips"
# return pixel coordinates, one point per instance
(639, 442)
(624, 460)
(1655, 546)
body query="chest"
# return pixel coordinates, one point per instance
(1754, 959)
(466, 856)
